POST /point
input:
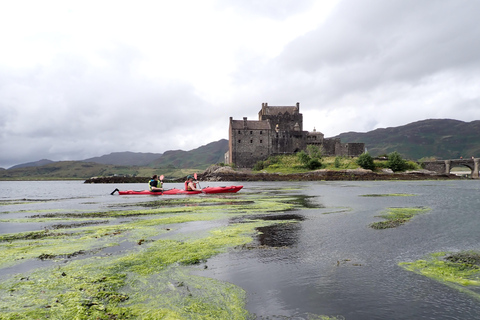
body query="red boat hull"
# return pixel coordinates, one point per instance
(208, 190)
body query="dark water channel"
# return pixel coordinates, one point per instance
(332, 263)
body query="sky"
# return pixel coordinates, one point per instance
(80, 79)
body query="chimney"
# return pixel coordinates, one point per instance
(245, 122)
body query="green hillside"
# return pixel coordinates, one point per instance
(201, 157)
(84, 170)
(172, 164)
(440, 138)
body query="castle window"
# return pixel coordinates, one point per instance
(239, 132)
(251, 141)
(251, 132)
(260, 131)
(260, 141)
(239, 141)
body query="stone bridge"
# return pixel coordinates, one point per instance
(444, 166)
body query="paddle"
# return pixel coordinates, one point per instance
(195, 176)
(161, 179)
(116, 189)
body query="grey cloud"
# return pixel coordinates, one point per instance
(391, 40)
(71, 110)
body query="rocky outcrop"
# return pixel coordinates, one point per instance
(226, 173)
(117, 179)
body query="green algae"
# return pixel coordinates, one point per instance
(147, 278)
(47, 219)
(389, 195)
(312, 316)
(21, 247)
(133, 285)
(20, 201)
(457, 270)
(397, 216)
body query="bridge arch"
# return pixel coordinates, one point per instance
(444, 166)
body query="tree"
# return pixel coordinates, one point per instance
(395, 162)
(365, 161)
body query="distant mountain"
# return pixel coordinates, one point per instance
(38, 163)
(126, 158)
(200, 158)
(440, 138)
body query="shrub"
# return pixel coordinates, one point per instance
(365, 161)
(396, 163)
(337, 163)
(313, 164)
(303, 157)
(412, 165)
(314, 151)
(259, 166)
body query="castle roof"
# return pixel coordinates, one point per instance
(273, 111)
(250, 124)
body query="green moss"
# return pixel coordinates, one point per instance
(395, 217)
(457, 270)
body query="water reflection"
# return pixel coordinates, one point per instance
(280, 235)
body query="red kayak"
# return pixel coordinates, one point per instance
(208, 190)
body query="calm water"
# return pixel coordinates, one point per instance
(330, 262)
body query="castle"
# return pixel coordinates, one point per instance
(278, 131)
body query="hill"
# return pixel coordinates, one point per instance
(201, 157)
(126, 158)
(38, 163)
(440, 138)
(172, 164)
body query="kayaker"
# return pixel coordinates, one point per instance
(155, 185)
(190, 185)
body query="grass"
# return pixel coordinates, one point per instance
(291, 164)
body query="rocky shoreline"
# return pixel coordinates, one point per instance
(217, 173)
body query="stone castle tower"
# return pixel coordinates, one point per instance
(278, 130)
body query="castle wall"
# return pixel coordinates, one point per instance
(286, 142)
(249, 141)
(329, 147)
(355, 149)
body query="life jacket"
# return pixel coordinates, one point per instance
(187, 188)
(150, 184)
(157, 184)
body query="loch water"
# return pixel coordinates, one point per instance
(329, 262)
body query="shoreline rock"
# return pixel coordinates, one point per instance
(217, 173)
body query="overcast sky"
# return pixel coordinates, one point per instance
(80, 79)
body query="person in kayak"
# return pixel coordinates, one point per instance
(155, 185)
(190, 185)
